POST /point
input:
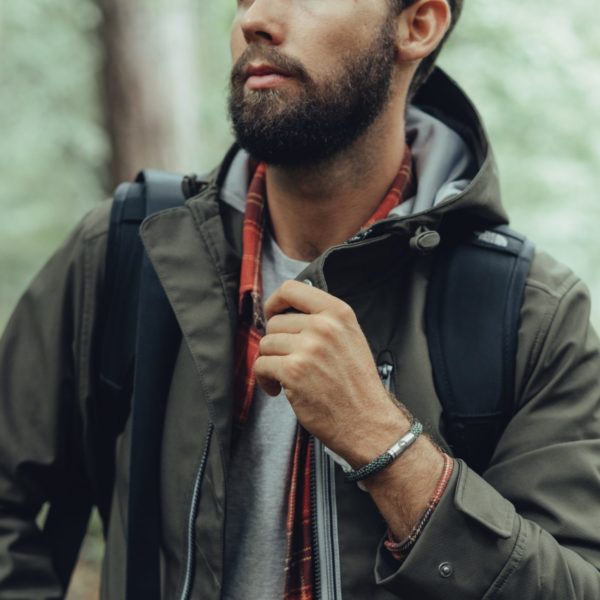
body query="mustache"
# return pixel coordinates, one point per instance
(267, 54)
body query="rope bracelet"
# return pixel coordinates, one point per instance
(400, 550)
(388, 457)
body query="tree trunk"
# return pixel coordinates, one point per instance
(150, 85)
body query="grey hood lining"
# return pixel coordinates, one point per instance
(444, 166)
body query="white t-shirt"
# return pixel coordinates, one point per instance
(258, 482)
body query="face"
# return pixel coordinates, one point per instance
(310, 76)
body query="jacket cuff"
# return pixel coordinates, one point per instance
(470, 537)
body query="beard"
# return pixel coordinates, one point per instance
(315, 121)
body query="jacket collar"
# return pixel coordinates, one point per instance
(198, 267)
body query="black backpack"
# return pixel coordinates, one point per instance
(472, 318)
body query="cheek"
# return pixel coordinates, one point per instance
(325, 49)
(237, 43)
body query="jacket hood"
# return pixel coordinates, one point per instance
(454, 165)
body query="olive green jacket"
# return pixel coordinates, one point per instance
(528, 529)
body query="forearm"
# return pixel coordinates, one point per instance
(403, 490)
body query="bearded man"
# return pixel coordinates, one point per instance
(298, 276)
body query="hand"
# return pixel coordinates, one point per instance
(321, 358)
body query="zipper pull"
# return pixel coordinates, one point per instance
(385, 373)
(360, 236)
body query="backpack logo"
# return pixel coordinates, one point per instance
(493, 238)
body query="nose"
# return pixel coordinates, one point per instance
(262, 22)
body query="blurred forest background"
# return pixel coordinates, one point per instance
(93, 90)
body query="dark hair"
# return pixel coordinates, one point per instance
(428, 63)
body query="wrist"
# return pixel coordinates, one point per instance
(409, 482)
(374, 434)
(400, 549)
(384, 460)
(418, 469)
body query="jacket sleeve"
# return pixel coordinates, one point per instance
(530, 528)
(43, 380)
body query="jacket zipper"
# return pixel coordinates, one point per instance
(315, 532)
(325, 546)
(326, 556)
(191, 531)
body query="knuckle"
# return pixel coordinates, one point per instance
(345, 312)
(296, 367)
(324, 326)
(313, 347)
(259, 365)
(287, 285)
(272, 325)
(263, 344)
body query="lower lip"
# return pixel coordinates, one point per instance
(262, 82)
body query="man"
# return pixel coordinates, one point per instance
(286, 315)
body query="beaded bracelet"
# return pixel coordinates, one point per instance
(388, 457)
(399, 550)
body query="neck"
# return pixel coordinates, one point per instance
(315, 207)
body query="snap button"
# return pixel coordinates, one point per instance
(308, 282)
(446, 570)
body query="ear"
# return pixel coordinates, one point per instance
(421, 28)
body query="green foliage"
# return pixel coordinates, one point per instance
(53, 147)
(532, 70)
(530, 67)
(215, 64)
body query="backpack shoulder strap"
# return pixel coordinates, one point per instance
(67, 519)
(138, 351)
(472, 319)
(150, 192)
